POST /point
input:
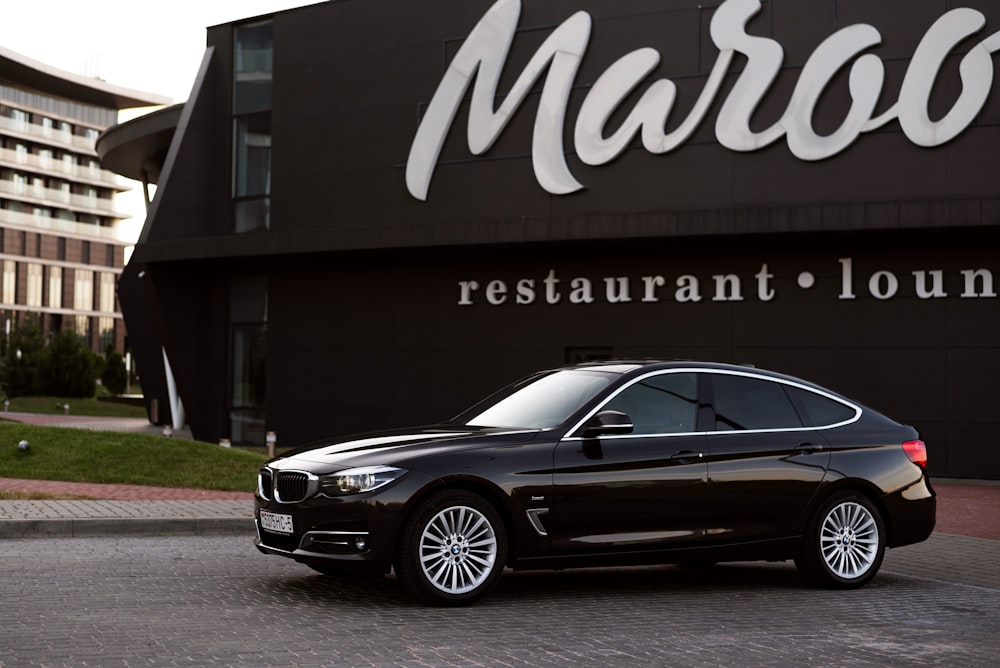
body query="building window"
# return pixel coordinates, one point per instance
(83, 290)
(9, 289)
(254, 50)
(106, 294)
(55, 287)
(248, 357)
(253, 173)
(20, 119)
(106, 333)
(253, 66)
(83, 299)
(81, 325)
(253, 61)
(33, 296)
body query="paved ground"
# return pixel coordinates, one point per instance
(216, 601)
(186, 593)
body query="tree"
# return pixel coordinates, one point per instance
(69, 368)
(114, 377)
(21, 366)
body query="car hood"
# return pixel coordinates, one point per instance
(392, 447)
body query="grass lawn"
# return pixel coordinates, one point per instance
(80, 455)
(89, 407)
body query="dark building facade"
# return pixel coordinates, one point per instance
(372, 213)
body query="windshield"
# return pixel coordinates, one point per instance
(543, 403)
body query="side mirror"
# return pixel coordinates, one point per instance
(608, 423)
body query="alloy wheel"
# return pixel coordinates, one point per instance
(849, 540)
(458, 549)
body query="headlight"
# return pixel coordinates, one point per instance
(355, 481)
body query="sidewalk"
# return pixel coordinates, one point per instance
(118, 510)
(965, 508)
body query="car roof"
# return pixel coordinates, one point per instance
(627, 366)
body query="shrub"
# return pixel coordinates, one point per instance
(20, 373)
(69, 367)
(114, 377)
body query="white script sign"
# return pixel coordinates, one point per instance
(484, 53)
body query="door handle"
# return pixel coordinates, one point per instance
(809, 448)
(686, 455)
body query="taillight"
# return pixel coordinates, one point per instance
(916, 451)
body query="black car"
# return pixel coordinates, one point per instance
(604, 464)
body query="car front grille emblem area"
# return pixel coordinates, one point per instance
(294, 486)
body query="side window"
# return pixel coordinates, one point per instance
(662, 404)
(817, 410)
(751, 403)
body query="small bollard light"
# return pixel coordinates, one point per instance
(271, 439)
(225, 443)
(168, 431)
(23, 447)
(65, 409)
(6, 405)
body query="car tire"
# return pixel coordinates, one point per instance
(844, 543)
(452, 549)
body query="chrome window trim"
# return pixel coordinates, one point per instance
(724, 372)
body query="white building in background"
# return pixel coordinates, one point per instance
(62, 242)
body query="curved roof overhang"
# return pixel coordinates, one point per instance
(28, 73)
(138, 148)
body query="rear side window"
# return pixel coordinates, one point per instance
(817, 410)
(743, 403)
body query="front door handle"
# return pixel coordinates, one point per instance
(685, 456)
(809, 448)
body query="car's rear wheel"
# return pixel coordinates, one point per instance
(452, 549)
(844, 543)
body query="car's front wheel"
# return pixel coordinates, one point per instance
(452, 549)
(844, 543)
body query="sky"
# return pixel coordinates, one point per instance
(146, 45)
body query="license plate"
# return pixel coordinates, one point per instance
(275, 522)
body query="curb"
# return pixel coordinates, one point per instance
(112, 527)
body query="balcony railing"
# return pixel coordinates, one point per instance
(50, 136)
(32, 223)
(60, 168)
(34, 195)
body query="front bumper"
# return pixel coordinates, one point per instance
(356, 532)
(341, 550)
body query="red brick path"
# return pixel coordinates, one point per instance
(120, 492)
